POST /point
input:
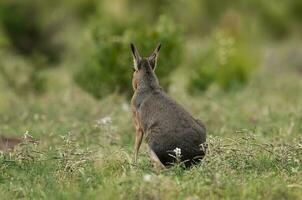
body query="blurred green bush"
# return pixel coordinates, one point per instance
(108, 69)
(29, 36)
(20, 76)
(27, 30)
(228, 61)
(37, 33)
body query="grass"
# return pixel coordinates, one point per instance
(85, 149)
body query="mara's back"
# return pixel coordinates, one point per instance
(168, 126)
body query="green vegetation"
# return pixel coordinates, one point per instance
(31, 37)
(229, 62)
(65, 77)
(254, 138)
(108, 68)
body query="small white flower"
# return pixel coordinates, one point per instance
(105, 120)
(125, 106)
(27, 135)
(177, 152)
(147, 177)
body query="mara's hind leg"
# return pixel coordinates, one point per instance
(155, 160)
(138, 136)
(138, 142)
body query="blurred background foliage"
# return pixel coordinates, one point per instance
(212, 42)
(108, 68)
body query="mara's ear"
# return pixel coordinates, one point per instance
(153, 57)
(136, 56)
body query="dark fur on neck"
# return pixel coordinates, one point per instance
(149, 80)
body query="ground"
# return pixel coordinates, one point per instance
(85, 145)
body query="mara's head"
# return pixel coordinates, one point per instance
(144, 67)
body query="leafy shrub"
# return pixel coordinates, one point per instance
(29, 37)
(228, 62)
(22, 77)
(25, 25)
(108, 68)
(83, 9)
(274, 18)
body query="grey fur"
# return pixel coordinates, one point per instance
(165, 124)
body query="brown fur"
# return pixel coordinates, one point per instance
(9, 143)
(165, 124)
